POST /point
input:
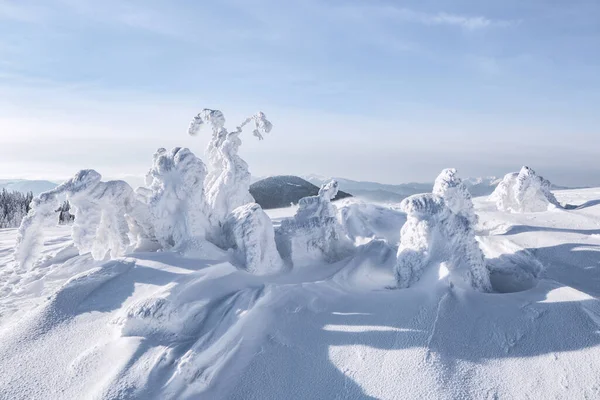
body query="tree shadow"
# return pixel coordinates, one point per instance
(587, 204)
(516, 229)
(320, 345)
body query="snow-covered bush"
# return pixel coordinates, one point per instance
(100, 223)
(314, 233)
(174, 196)
(435, 233)
(249, 232)
(524, 192)
(228, 182)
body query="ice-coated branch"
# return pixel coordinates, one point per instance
(524, 191)
(228, 182)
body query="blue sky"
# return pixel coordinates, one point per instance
(374, 90)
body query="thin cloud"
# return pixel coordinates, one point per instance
(465, 22)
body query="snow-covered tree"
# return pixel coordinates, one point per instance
(455, 194)
(64, 215)
(228, 181)
(524, 191)
(174, 197)
(249, 232)
(314, 233)
(100, 225)
(13, 208)
(435, 233)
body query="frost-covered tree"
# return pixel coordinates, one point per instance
(228, 181)
(64, 215)
(524, 191)
(13, 208)
(314, 233)
(100, 225)
(249, 232)
(436, 234)
(455, 194)
(176, 208)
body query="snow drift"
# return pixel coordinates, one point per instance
(439, 231)
(524, 192)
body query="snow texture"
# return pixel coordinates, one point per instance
(164, 325)
(435, 234)
(174, 197)
(524, 192)
(314, 233)
(249, 232)
(100, 210)
(228, 182)
(364, 222)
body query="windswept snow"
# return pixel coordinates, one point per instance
(163, 325)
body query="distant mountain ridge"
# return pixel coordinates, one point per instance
(390, 193)
(283, 190)
(26, 185)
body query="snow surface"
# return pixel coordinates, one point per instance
(161, 325)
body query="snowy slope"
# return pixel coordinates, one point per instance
(165, 325)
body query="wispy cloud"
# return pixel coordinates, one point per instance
(466, 22)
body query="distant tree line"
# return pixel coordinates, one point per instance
(14, 206)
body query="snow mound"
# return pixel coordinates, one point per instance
(364, 222)
(437, 234)
(249, 232)
(524, 192)
(314, 233)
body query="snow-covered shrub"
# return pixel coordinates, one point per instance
(228, 182)
(175, 200)
(434, 234)
(100, 213)
(314, 233)
(524, 192)
(249, 232)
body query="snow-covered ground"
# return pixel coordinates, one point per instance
(164, 325)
